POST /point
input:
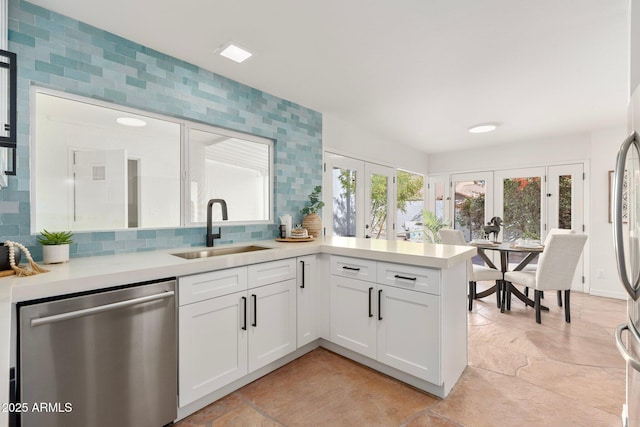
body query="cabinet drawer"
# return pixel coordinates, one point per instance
(419, 279)
(200, 287)
(354, 268)
(271, 272)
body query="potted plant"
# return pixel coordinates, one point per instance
(55, 246)
(312, 221)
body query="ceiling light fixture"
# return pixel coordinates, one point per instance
(130, 121)
(234, 52)
(483, 127)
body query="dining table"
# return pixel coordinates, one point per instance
(530, 251)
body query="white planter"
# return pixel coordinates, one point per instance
(55, 254)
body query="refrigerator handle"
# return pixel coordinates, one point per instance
(635, 363)
(618, 237)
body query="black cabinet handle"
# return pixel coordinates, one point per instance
(397, 276)
(244, 303)
(255, 310)
(346, 267)
(370, 292)
(302, 285)
(379, 304)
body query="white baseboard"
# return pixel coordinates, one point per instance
(608, 294)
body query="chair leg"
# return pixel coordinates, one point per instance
(559, 298)
(526, 291)
(509, 296)
(567, 313)
(499, 290)
(472, 294)
(505, 289)
(536, 297)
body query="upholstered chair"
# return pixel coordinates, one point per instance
(475, 273)
(556, 268)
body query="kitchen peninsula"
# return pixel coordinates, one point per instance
(365, 292)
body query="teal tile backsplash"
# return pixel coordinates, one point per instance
(61, 53)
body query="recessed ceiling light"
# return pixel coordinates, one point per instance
(483, 127)
(234, 52)
(130, 121)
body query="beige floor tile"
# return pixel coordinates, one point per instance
(520, 374)
(597, 387)
(485, 398)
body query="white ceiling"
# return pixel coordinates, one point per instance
(419, 72)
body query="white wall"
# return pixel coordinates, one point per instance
(598, 149)
(537, 152)
(603, 269)
(346, 139)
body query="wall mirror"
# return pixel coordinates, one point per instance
(230, 166)
(95, 167)
(98, 166)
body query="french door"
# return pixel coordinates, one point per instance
(472, 202)
(520, 202)
(360, 198)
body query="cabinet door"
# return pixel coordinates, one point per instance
(272, 323)
(408, 332)
(353, 314)
(212, 346)
(308, 300)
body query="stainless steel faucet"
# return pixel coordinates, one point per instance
(210, 235)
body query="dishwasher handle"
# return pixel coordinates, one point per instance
(99, 309)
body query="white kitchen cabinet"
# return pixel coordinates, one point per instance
(272, 325)
(307, 302)
(233, 322)
(396, 321)
(353, 314)
(212, 347)
(408, 336)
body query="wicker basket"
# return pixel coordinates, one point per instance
(313, 223)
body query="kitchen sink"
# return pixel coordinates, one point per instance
(206, 253)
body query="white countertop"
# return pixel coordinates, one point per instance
(86, 274)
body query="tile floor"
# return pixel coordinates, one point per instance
(519, 374)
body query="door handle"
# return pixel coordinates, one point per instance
(379, 304)
(255, 310)
(633, 289)
(635, 363)
(98, 309)
(302, 285)
(244, 303)
(370, 294)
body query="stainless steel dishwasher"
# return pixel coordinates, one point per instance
(100, 359)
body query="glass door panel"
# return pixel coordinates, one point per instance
(410, 200)
(344, 201)
(344, 196)
(565, 194)
(379, 199)
(472, 203)
(520, 203)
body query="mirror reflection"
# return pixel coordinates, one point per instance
(101, 168)
(233, 167)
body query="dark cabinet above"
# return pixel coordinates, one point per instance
(8, 114)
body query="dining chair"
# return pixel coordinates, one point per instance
(534, 267)
(556, 268)
(475, 273)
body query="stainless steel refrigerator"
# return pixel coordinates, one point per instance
(626, 229)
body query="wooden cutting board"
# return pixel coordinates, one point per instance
(292, 240)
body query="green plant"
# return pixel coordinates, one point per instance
(55, 238)
(314, 202)
(432, 225)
